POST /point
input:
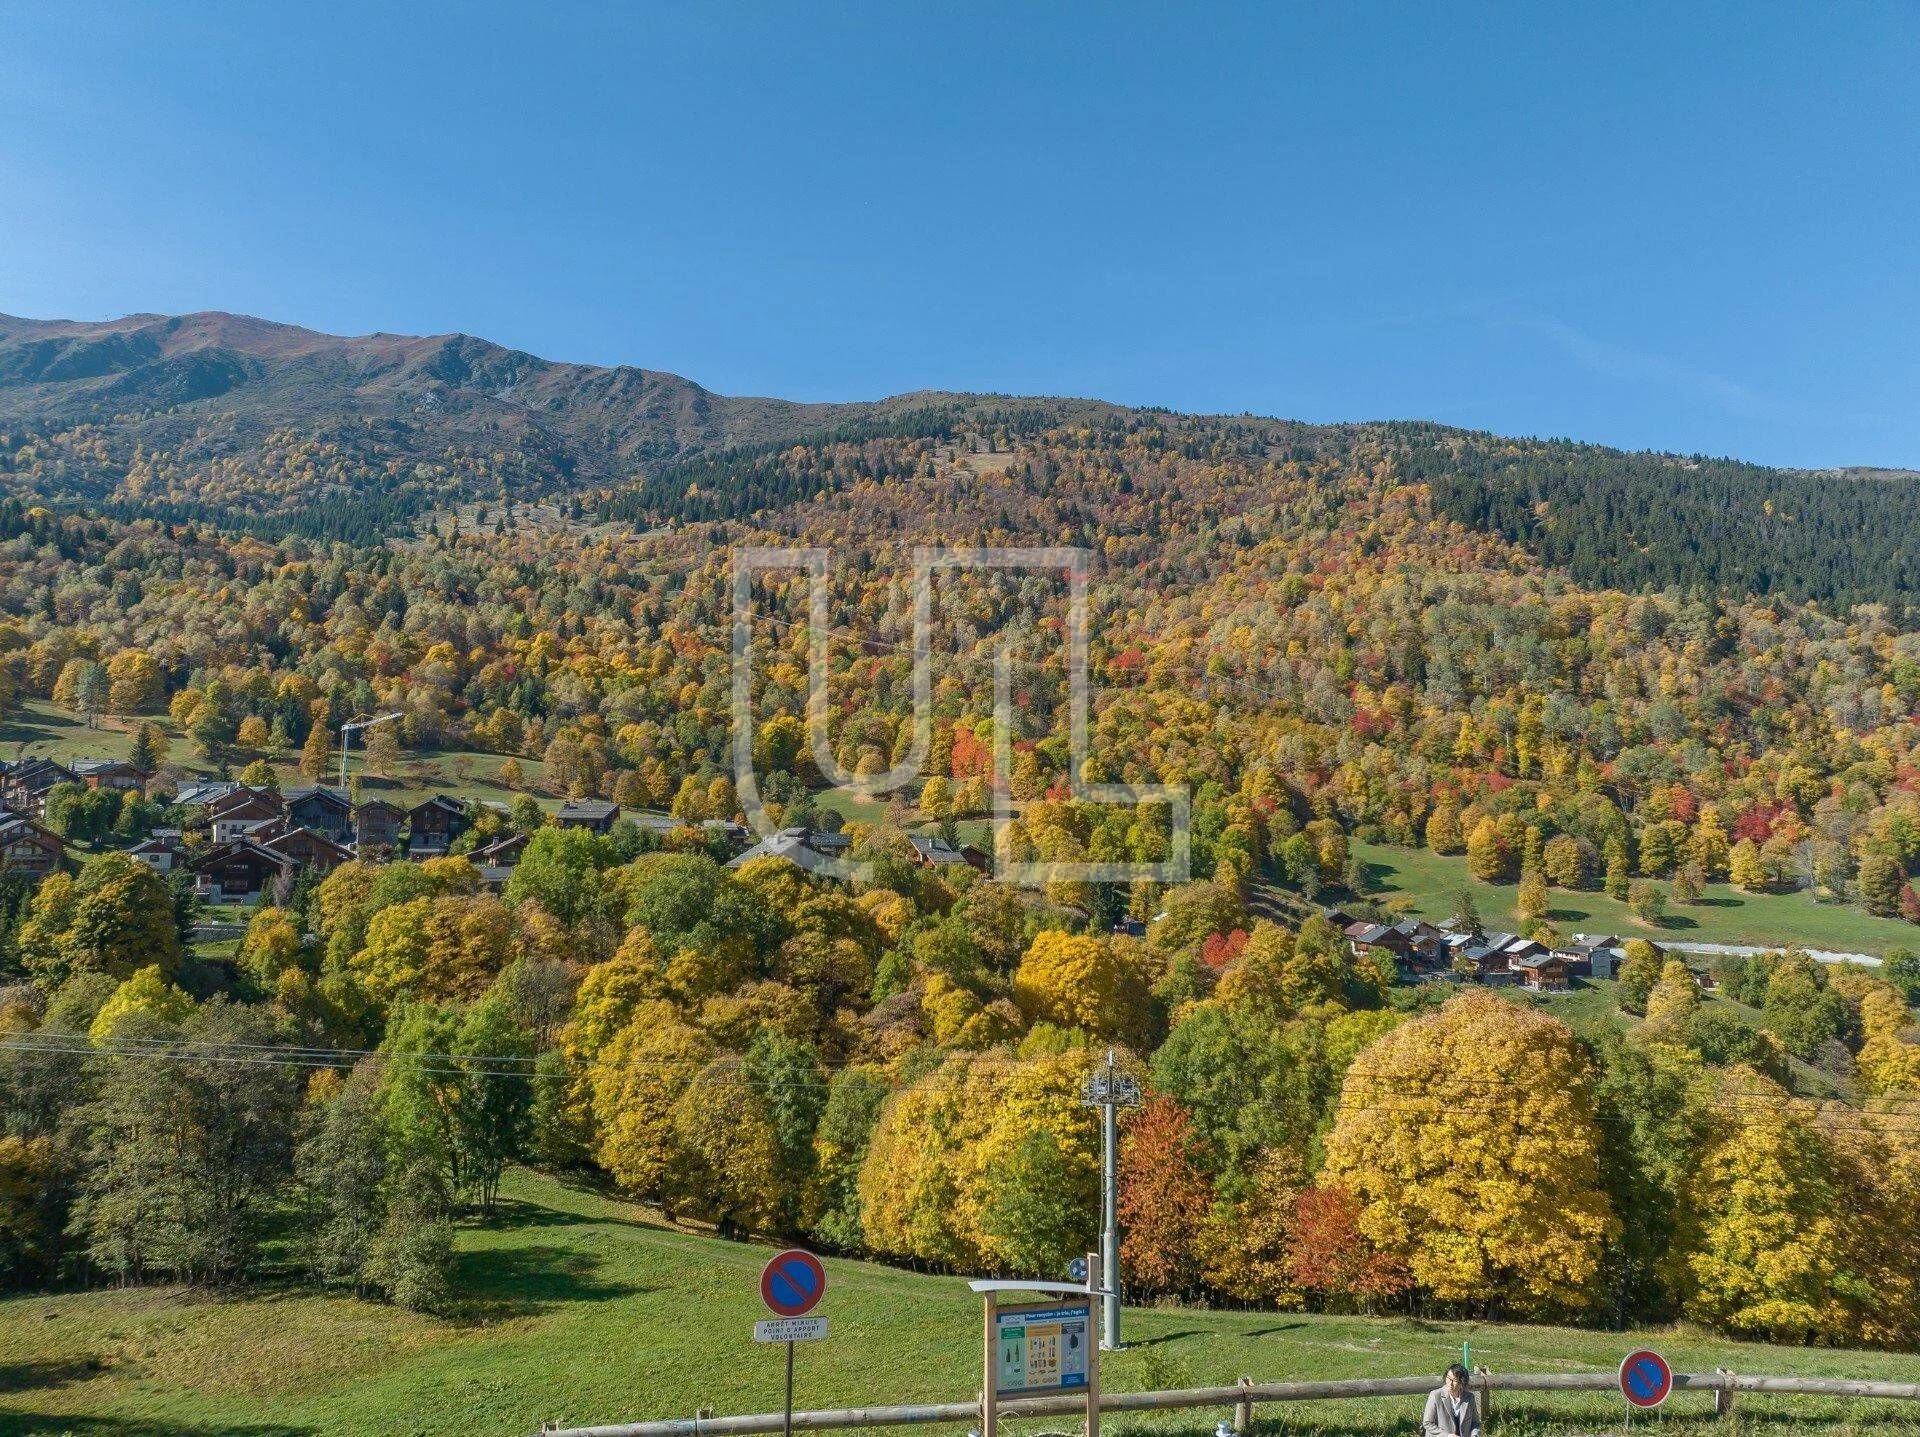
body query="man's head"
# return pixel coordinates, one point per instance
(1456, 1380)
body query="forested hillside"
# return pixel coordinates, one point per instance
(1619, 520)
(270, 429)
(1295, 622)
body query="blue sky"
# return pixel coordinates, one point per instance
(1689, 227)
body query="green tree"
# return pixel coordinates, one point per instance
(149, 749)
(1640, 969)
(118, 917)
(1881, 880)
(184, 1158)
(854, 1098)
(561, 868)
(341, 1168)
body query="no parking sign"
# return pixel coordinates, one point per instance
(1646, 1379)
(793, 1282)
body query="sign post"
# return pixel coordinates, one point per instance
(790, 1285)
(1043, 1346)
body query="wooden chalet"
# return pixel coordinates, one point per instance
(111, 773)
(238, 869)
(496, 860)
(25, 784)
(433, 825)
(376, 827)
(306, 847)
(234, 813)
(26, 847)
(1545, 972)
(322, 810)
(161, 850)
(936, 852)
(1367, 939)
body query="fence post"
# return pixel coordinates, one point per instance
(1484, 1379)
(1243, 1409)
(1723, 1392)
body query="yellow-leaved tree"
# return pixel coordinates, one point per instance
(990, 1161)
(1762, 1246)
(1889, 1062)
(1076, 981)
(1469, 1139)
(146, 994)
(638, 1080)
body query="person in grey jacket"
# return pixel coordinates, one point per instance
(1450, 1408)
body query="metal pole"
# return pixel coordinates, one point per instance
(1093, 1386)
(786, 1426)
(990, 1383)
(1109, 1213)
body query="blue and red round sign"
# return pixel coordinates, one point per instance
(1645, 1379)
(793, 1282)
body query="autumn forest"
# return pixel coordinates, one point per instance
(1652, 678)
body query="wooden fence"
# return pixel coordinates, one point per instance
(1243, 1397)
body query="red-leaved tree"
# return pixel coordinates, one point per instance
(1330, 1258)
(1164, 1197)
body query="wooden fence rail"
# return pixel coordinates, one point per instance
(1243, 1397)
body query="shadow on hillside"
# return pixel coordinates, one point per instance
(1275, 1330)
(1376, 875)
(34, 1424)
(512, 1215)
(527, 1281)
(30, 1376)
(1161, 1337)
(1569, 915)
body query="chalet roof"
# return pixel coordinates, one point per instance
(935, 850)
(795, 845)
(15, 829)
(204, 791)
(281, 842)
(85, 766)
(240, 796)
(37, 775)
(1372, 933)
(506, 847)
(441, 802)
(594, 810)
(321, 792)
(235, 846)
(372, 805)
(1538, 960)
(156, 844)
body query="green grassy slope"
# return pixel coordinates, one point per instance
(1428, 882)
(37, 728)
(583, 1309)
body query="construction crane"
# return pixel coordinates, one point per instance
(349, 729)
